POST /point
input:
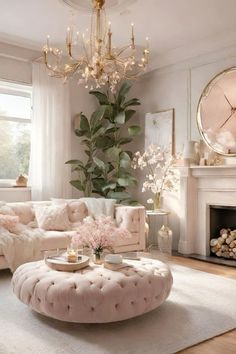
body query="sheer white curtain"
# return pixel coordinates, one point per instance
(51, 136)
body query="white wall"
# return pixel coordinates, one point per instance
(179, 86)
(15, 63)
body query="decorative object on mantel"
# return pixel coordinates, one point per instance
(208, 157)
(100, 63)
(217, 112)
(189, 153)
(199, 153)
(160, 127)
(21, 181)
(165, 239)
(161, 173)
(225, 245)
(107, 170)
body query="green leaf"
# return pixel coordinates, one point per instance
(131, 202)
(102, 98)
(118, 195)
(104, 142)
(134, 130)
(110, 185)
(84, 123)
(74, 162)
(124, 89)
(79, 132)
(120, 118)
(129, 114)
(113, 151)
(109, 112)
(124, 182)
(78, 185)
(99, 163)
(124, 160)
(97, 115)
(123, 141)
(132, 102)
(98, 184)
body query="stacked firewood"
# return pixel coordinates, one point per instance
(225, 245)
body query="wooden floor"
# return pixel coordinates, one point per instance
(226, 343)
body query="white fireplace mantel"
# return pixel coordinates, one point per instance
(200, 187)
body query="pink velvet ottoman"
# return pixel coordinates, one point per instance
(93, 294)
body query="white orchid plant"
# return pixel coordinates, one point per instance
(161, 173)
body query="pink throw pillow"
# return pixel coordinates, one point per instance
(10, 223)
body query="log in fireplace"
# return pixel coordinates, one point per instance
(223, 231)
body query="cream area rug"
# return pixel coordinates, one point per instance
(200, 306)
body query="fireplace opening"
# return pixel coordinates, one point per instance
(223, 231)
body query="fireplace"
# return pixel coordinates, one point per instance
(221, 217)
(222, 236)
(208, 204)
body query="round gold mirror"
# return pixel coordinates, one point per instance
(216, 114)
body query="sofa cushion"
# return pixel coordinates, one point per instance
(10, 223)
(100, 206)
(6, 210)
(56, 239)
(24, 211)
(77, 210)
(53, 217)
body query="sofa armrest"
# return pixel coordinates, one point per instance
(132, 218)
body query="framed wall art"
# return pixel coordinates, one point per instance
(159, 129)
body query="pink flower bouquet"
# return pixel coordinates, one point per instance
(99, 234)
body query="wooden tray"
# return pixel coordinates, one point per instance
(60, 263)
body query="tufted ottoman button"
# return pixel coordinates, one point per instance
(99, 290)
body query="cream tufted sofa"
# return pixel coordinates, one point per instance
(93, 294)
(131, 218)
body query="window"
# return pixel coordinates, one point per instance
(15, 129)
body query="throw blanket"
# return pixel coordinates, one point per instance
(22, 247)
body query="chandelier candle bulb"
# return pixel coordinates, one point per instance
(48, 41)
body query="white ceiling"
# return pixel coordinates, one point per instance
(170, 24)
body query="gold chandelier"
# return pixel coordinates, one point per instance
(100, 63)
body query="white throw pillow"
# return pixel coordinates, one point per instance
(77, 210)
(100, 206)
(53, 217)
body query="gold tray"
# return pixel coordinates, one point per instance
(60, 263)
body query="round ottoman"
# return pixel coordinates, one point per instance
(93, 294)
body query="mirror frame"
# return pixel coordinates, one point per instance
(199, 119)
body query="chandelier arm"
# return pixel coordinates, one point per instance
(123, 49)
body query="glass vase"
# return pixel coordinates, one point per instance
(165, 240)
(157, 201)
(98, 257)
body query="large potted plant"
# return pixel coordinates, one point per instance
(107, 169)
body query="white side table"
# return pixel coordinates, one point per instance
(156, 218)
